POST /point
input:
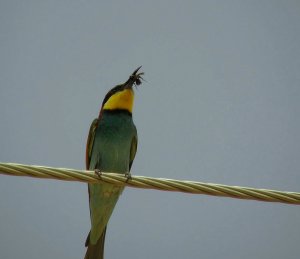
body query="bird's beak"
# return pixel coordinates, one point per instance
(134, 79)
(135, 71)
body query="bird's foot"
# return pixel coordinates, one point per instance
(98, 172)
(128, 176)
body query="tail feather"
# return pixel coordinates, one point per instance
(95, 251)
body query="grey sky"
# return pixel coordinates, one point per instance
(221, 104)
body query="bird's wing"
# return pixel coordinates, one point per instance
(90, 143)
(133, 149)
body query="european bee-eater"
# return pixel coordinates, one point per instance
(111, 147)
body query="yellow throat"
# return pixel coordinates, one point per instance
(120, 100)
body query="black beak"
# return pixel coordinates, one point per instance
(135, 71)
(134, 79)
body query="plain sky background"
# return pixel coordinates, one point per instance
(221, 104)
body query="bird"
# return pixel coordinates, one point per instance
(111, 147)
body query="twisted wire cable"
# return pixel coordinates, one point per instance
(162, 184)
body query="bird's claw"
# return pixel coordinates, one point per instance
(128, 177)
(98, 173)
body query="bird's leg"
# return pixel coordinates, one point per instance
(128, 176)
(98, 172)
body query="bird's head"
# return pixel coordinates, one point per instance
(121, 97)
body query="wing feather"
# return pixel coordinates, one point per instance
(90, 143)
(133, 150)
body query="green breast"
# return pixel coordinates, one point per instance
(112, 143)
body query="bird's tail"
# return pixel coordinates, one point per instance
(95, 251)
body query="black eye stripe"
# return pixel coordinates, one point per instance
(116, 89)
